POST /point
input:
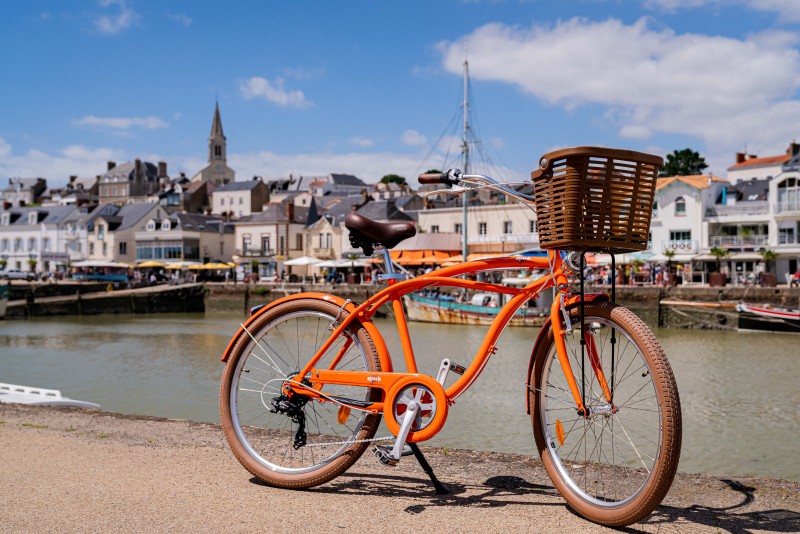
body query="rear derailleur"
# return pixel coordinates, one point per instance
(293, 408)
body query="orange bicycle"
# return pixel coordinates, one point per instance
(309, 376)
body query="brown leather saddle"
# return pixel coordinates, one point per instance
(364, 233)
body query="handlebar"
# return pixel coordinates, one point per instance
(455, 177)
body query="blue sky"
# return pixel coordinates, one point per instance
(370, 88)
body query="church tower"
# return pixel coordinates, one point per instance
(217, 170)
(217, 145)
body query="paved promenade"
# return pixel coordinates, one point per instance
(70, 470)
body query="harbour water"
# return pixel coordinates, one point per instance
(740, 400)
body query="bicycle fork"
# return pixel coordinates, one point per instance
(559, 312)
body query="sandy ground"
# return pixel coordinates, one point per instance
(71, 470)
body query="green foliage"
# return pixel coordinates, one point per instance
(684, 162)
(393, 179)
(719, 253)
(433, 171)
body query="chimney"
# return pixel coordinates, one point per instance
(72, 179)
(162, 169)
(138, 169)
(740, 157)
(290, 211)
(794, 148)
(110, 165)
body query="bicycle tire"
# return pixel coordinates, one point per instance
(263, 441)
(612, 481)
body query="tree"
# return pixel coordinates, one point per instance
(719, 253)
(683, 163)
(768, 255)
(393, 179)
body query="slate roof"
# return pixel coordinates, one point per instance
(339, 211)
(276, 213)
(48, 215)
(383, 210)
(247, 185)
(749, 190)
(346, 179)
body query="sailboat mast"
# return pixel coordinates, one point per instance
(465, 155)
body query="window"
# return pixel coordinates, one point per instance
(246, 242)
(151, 225)
(4, 245)
(435, 229)
(122, 190)
(655, 210)
(165, 224)
(507, 227)
(482, 228)
(46, 244)
(299, 242)
(17, 244)
(680, 206)
(105, 248)
(101, 231)
(123, 247)
(221, 201)
(532, 226)
(265, 244)
(786, 236)
(5, 219)
(91, 248)
(458, 228)
(680, 235)
(32, 243)
(320, 241)
(328, 240)
(241, 200)
(282, 245)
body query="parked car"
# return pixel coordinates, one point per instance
(16, 274)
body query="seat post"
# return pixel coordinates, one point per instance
(389, 272)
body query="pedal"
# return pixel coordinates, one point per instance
(384, 455)
(446, 366)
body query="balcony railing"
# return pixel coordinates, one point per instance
(254, 253)
(325, 253)
(680, 245)
(738, 241)
(788, 205)
(752, 207)
(503, 238)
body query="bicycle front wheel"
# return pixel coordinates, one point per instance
(614, 465)
(296, 442)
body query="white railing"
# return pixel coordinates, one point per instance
(680, 245)
(738, 241)
(752, 207)
(503, 238)
(787, 205)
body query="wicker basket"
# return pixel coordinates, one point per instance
(598, 199)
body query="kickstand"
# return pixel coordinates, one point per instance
(440, 489)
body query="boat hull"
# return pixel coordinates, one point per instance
(434, 310)
(768, 319)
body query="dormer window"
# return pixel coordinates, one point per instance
(151, 225)
(101, 231)
(5, 219)
(32, 217)
(680, 206)
(165, 225)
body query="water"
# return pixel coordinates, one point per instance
(741, 403)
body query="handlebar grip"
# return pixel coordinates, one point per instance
(433, 178)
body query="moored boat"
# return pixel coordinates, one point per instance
(768, 318)
(481, 309)
(12, 393)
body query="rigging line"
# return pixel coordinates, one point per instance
(436, 143)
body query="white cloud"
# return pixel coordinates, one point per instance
(122, 123)
(361, 141)
(75, 159)
(787, 9)
(258, 87)
(414, 138)
(180, 18)
(120, 18)
(719, 90)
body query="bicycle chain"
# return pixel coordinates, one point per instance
(348, 442)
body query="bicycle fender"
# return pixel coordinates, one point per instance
(570, 303)
(372, 330)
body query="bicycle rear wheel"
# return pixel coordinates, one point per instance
(299, 442)
(615, 465)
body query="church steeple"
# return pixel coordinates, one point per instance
(217, 144)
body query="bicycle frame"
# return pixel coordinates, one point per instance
(388, 380)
